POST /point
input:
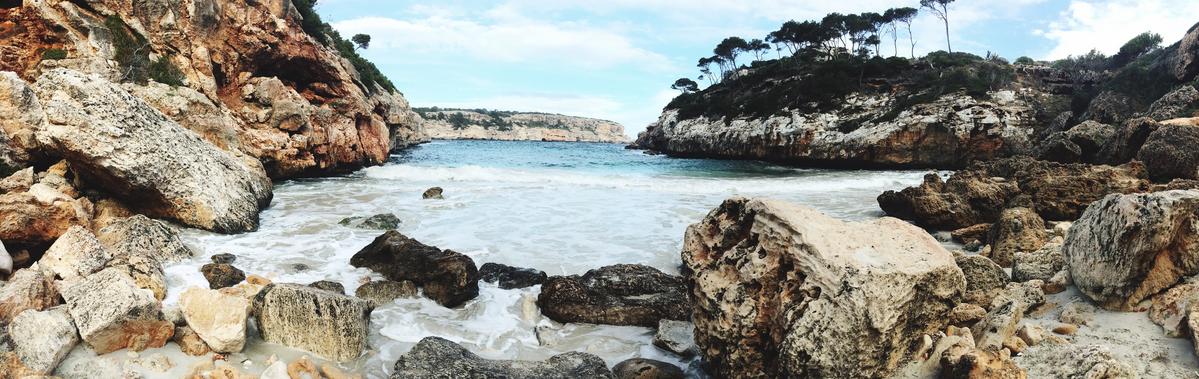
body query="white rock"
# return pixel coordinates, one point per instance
(219, 319)
(75, 254)
(42, 339)
(5, 260)
(112, 313)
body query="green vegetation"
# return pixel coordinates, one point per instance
(685, 85)
(131, 51)
(1025, 61)
(165, 72)
(54, 54)
(363, 41)
(326, 35)
(492, 119)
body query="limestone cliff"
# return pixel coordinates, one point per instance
(517, 126)
(253, 80)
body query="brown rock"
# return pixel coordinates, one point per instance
(972, 233)
(966, 314)
(190, 342)
(640, 368)
(27, 289)
(1065, 329)
(112, 313)
(222, 275)
(448, 277)
(963, 362)
(434, 193)
(1017, 230)
(1170, 309)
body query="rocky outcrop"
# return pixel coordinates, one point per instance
(435, 357)
(1181, 102)
(947, 133)
(448, 277)
(508, 277)
(1126, 248)
(219, 319)
(112, 313)
(1171, 152)
(325, 323)
(615, 295)
(979, 194)
(780, 290)
(1082, 143)
(518, 126)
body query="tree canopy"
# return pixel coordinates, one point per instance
(363, 41)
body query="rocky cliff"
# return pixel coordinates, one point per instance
(516, 126)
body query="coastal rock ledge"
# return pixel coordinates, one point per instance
(781, 290)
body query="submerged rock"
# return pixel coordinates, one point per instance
(434, 193)
(112, 313)
(385, 291)
(325, 323)
(219, 319)
(42, 339)
(641, 368)
(383, 221)
(509, 277)
(615, 295)
(435, 357)
(222, 275)
(1126, 248)
(224, 258)
(838, 300)
(447, 277)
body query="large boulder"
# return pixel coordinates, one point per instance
(1181, 102)
(20, 109)
(27, 289)
(1126, 248)
(42, 339)
(448, 277)
(435, 357)
(112, 313)
(1127, 141)
(780, 290)
(615, 295)
(219, 319)
(1016, 230)
(143, 237)
(1172, 152)
(120, 144)
(1082, 143)
(75, 255)
(325, 323)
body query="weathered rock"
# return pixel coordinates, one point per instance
(1184, 63)
(999, 324)
(329, 285)
(433, 193)
(983, 277)
(1079, 361)
(447, 277)
(385, 291)
(1181, 102)
(509, 277)
(1018, 229)
(1041, 264)
(435, 357)
(219, 319)
(6, 264)
(323, 322)
(383, 221)
(519, 127)
(39, 218)
(1028, 293)
(966, 314)
(1171, 152)
(1127, 141)
(222, 275)
(980, 193)
(75, 255)
(112, 313)
(21, 109)
(224, 258)
(977, 233)
(27, 289)
(122, 145)
(143, 237)
(838, 300)
(1170, 308)
(1126, 248)
(190, 342)
(677, 337)
(962, 361)
(641, 368)
(42, 339)
(1031, 334)
(1082, 143)
(615, 295)
(1111, 107)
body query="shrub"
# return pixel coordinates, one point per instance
(1025, 61)
(311, 22)
(165, 72)
(131, 51)
(54, 54)
(1135, 48)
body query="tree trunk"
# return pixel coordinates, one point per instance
(945, 9)
(913, 40)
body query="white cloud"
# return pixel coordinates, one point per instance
(1106, 25)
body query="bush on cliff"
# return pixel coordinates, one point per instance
(54, 54)
(326, 35)
(165, 72)
(130, 50)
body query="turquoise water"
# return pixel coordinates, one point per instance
(559, 207)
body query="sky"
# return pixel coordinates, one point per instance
(616, 59)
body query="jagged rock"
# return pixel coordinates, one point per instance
(977, 195)
(39, 218)
(224, 258)
(1172, 152)
(447, 277)
(1111, 107)
(222, 275)
(385, 291)
(1031, 334)
(383, 221)
(435, 357)
(847, 299)
(122, 145)
(1181, 102)
(641, 368)
(1018, 229)
(971, 363)
(143, 237)
(42, 339)
(75, 255)
(677, 337)
(1127, 141)
(1184, 64)
(1126, 248)
(323, 322)
(19, 181)
(520, 127)
(999, 324)
(27, 289)
(21, 108)
(433, 193)
(615, 295)
(1028, 293)
(983, 277)
(509, 277)
(329, 285)
(112, 313)
(219, 319)
(190, 342)
(1082, 143)
(1041, 264)
(1170, 308)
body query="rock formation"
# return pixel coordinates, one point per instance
(448, 277)
(615, 295)
(517, 126)
(435, 357)
(112, 313)
(331, 325)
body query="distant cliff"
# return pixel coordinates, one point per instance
(517, 126)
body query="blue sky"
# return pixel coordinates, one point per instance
(616, 59)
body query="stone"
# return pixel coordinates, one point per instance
(383, 292)
(1031, 334)
(224, 258)
(27, 221)
(1170, 309)
(976, 233)
(329, 285)
(982, 278)
(676, 337)
(1171, 152)
(1065, 329)
(325, 323)
(448, 277)
(435, 357)
(75, 255)
(112, 313)
(999, 324)
(1081, 143)
(301, 368)
(1029, 293)
(222, 275)
(1077, 313)
(27, 289)
(122, 145)
(190, 342)
(1126, 248)
(966, 314)
(144, 237)
(1058, 283)
(641, 368)
(42, 339)
(219, 319)
(156, 362)
(382, 221)
(839, 300)
(1130, 136)
(1018, 229)
(1111, 107)
(277, 370)
(1041, 264)
(615, 295)
(509, 277)
(434, 193)
(971, 363)
(1181, 102)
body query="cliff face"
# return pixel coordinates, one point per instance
(511, 126)
(254, 82)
